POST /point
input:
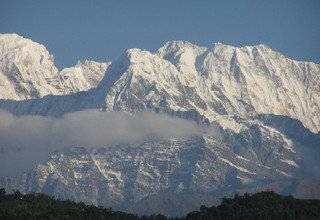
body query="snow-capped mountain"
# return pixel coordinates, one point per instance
(217, 82)
(265, 106)
(27, 71)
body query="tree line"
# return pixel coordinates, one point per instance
(263, 205)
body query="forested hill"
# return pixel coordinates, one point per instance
(264, 205)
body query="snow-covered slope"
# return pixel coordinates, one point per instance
(217, 82)
(27, 71)
(240, 90)
(253, 80)
(85, 75)
(221, 83)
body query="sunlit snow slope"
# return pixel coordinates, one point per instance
(27, 71)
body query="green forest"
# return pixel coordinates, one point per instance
(263, 205)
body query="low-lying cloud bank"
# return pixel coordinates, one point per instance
(27, 140)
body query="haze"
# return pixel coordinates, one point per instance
(27, 140)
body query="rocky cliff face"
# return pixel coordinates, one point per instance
(122, 174)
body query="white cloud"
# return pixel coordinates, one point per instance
(27, 140)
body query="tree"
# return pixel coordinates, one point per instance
(2, 192)
(18, 194)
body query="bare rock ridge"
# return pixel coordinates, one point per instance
(265, 106)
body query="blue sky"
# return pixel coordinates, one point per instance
(102, 30)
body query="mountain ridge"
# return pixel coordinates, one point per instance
(216, 82)
(255, 97)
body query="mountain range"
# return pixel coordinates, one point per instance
(264, 109)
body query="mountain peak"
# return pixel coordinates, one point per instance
(178, 47)
(176, 44)
(14, 42)
(214, 81)
(11, 37)
(229, 87)
(27, 71)
(135, 52)
(239, 80)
